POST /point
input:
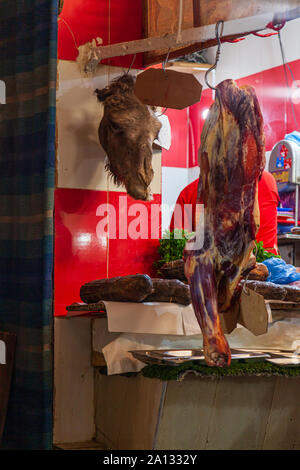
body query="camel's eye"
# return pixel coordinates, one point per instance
(115, 126)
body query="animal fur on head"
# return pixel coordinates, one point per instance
(126, 132)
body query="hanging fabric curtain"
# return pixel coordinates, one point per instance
(28, 49)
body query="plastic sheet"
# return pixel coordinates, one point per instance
(293, 137)
(280, 272)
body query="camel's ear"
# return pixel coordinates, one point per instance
(103, 94)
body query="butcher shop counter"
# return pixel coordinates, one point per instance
(195, 408)
(191, 407)
(197, 412)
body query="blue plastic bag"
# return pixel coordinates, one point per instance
(293, 137)
(280, 272)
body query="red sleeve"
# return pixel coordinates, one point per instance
(268, 199)
(184, 215)
(179, 218)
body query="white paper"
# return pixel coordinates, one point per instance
(164, 135)
(281, 335)
(161, 318)
(190, 322)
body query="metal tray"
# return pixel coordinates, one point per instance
(180, 356)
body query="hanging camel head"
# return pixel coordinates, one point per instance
(126, 132)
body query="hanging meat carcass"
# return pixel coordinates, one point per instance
(231, 160)
(126, 132)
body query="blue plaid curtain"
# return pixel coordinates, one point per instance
(28, 53)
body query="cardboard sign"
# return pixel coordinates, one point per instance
(167, 88)
(253, 313)
(229, 319)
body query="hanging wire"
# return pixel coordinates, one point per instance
(218, 37)
(132, 62)
(107, 176)
(285, 66)
(164, 69)
(70, 30)
(165, 61)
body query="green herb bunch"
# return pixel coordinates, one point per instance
(171, 246)
(261, 254)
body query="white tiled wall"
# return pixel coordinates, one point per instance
(81, 159)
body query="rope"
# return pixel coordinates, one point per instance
(108, 75)
(164, 69)
(132, 62)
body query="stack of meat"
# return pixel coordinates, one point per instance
(136, 288)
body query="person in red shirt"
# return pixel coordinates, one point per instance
(268, 199)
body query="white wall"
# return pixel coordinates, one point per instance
(256, 54)
(81, 159)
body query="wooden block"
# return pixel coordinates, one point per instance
(229, 319)
(161, 17)
(87, 445)
(73, 381)
(79, 307)
(282, 305)
(167, 88)
(7, 354)
(253, 313)
(222, 414)
(127, 411)
(228, 413)
(186, 414)
(98, 359)
(240, 413)
(283, 426)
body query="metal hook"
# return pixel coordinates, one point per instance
(164, 69)
(218, 37)
(165, 61)
(130, 67)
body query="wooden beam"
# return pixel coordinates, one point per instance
(204, 36)
(189, 49)
(196, 13)
(98, 359)
(161, 18)
(188, 36)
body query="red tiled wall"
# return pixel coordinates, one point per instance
(272, 94)
(113, 21)
(176, 156)
(81, 257)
